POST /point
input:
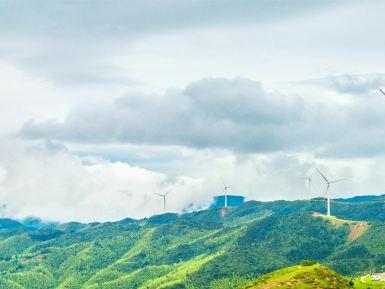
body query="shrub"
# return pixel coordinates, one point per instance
(308, 262)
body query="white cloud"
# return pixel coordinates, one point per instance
(49, 182)
(353, 84)
(236, 114)
(44, 179)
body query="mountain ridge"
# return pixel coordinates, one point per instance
(205, 249)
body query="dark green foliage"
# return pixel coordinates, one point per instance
(163, 219)
(307, 263)
(45, 235)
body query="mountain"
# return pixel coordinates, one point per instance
(209, 249)
(36, 223)
(357, 199)
(8, 224)
(301, 277)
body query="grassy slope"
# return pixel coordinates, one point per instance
(365, 282)
(301, 277)
(316, 276)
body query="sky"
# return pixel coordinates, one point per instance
(103, 104)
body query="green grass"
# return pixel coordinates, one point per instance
(366, 282)
(301, 277)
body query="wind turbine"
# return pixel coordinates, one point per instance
(381, 91)
(308, 179)
(225, 191)
(328, 183)
(164, 200)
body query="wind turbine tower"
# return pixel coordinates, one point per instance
(308, 179)
(328, 183)
(164, 200)
(225, 191)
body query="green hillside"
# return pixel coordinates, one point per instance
(309, 276)
(301, 277)
(205, 249)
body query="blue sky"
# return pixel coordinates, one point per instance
(103, 103)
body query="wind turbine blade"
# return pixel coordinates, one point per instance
(167, 193)
(381, 91)
(322, 175)
(158, 194)
(336, 181)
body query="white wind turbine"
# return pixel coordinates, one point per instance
(164, 200)
(308, 179)
(328, 183)
(225, 192)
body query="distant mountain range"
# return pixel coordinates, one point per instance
(209, 249)
(357, 199)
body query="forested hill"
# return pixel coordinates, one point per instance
(205, 249)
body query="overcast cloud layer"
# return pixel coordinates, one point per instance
(104, 104)
(236, 114)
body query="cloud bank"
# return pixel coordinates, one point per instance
(44, 179)
(235, 114)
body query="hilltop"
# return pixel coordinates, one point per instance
(209, 249)
(308, 276)
(301, 277)
(357, 228)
